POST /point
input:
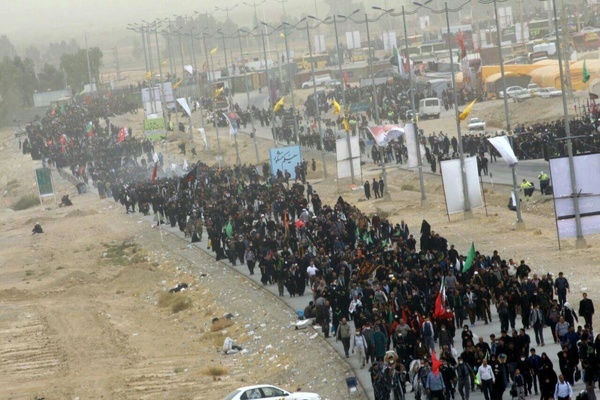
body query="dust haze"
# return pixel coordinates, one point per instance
(37, 22)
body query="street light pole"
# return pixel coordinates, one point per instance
(375, 103)
(468, 213)
(340, 60)
(317, 109)
(89, 67)
(414, 110)
(580, 242)
(292, 83)
(210, 72)
(248, 101)
(519, 222)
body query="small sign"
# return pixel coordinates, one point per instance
(44, 182)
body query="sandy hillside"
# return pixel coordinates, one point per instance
(85, 314)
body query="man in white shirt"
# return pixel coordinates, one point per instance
(563, 390)
(311, 271)
(487, 378)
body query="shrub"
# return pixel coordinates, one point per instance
(176, 301)
(25, 202)
(216, 371)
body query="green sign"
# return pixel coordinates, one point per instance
(154, 126)
(360, 106)
(44, 181)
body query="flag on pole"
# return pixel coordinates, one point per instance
(278, 105)
(121, 135)
(214, 51)
(89, 129)
(461, 45)
(149, 74)
(219, 91)
(470, 258)
(229, 229)
(346, 124)
(155, 173)
(440, 300)
(435, 363)
(176, 84)
(465, 114)
(586, 75)
(190, 176)
(336, 107)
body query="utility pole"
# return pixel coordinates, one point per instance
(117, 66)
(89, 68)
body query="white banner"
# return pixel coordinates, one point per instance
(502, 144)
(411, 146)
(183, 103)
(320, 44)
(453, 185)
(348, 161)
(389, 41)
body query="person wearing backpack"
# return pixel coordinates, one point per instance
(563, 389)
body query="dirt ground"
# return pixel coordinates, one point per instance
(84, 313)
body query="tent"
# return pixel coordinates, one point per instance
(493, 83)
(549, 76)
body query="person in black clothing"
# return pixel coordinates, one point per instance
(586, 309)
(561, 286)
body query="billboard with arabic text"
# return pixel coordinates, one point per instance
(285, 159)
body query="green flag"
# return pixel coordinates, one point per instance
(240, 188)
(229, 230)
(470, 258)
(586, 75)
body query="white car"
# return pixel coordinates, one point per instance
(521, 95)
(268, 392)
(510, 91)
(476, 124)
(533, 88)
(549, 92)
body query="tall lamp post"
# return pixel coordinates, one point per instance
(248, 97)
(519, 222)
(340, 60)
(468, 213)
(211, 75)
(290, 76)
(366, 21)
(227, 9)
(580, 242)
(315, 96)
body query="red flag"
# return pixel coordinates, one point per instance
(345, 78)
(121, 135)
(435, 363)
(439, 309)
(155, 173)
(461, 44)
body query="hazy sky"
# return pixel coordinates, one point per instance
(41, 21)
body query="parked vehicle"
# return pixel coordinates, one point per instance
(533, 88)
(547, 93)
(521, 95)
(269, 392)
(510, 91)
(476, 124)
(319, 81)
(430, 107)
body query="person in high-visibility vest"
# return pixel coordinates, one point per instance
(544, 181)
(527, 188)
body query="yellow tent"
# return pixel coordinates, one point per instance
(549, 76)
